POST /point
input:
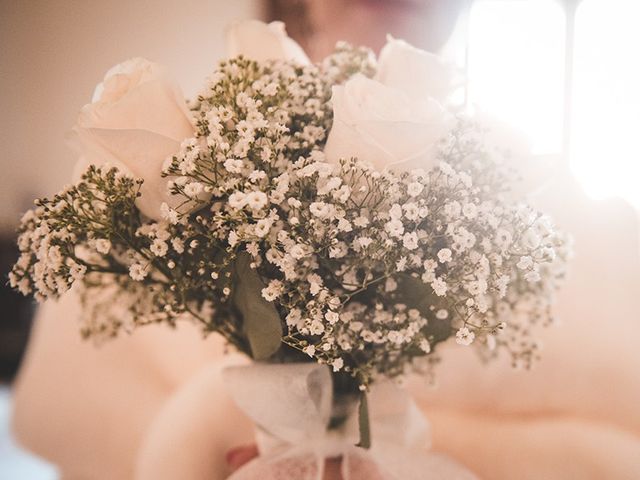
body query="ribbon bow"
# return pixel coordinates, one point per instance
(292, 405)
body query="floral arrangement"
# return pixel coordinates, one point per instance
(339, 212)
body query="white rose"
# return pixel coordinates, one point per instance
(395, 120)
(503, 140)
(261, 42)
(137, 119)
(416, 72)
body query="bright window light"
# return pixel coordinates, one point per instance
(516, 66)
(605, 142)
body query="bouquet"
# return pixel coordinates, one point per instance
(336, 222)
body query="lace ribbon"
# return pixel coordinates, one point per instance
(292, 405)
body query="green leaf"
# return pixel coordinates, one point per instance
(363, 422)
(261, 321)
(415, 294)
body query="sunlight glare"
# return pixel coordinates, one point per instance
(516, 66)
(605, 146)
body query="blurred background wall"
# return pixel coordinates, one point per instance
(54, 52)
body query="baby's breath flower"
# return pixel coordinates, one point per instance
(444, 255)
(464, 336)
(256, 200)
(138, 272)
(159, 247)
(103, 246)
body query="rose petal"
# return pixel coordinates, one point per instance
(139, 153)
(261, 42)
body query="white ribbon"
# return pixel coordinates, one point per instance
(292, 404)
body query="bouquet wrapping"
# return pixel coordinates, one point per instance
(294, 404)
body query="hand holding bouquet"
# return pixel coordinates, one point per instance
(337, 213)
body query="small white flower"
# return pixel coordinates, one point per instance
(315, 283)
(464, 336)
(344, 225)
(103, 246)
(309, 350)
(294, 318)
(356, 326)
(531, 239)
(262, 227)
(257, 175)
(331, 184)
(465, 179)
(298, 251)
(401, 265)
(320, 209)
(430, 265)
(294, 202)
(272, 291)
(425, 346)
(470, 210)
(233, 165)
(77, 271)
(410, 241)
(390, 285)
(337, 364)
(316, 327)
(453, 209)
(477, 287)
(178, 245)
(233, 238)
(342, 194)
(169, 214)
(338, 250)
(532, 276)
(444, 255)
(361, 222)
(414, 189)
(253, 248)
(439, 287)
(193, 189)
(549, 254)
(394, 227)
(331, 317)
(138, 272)
(525, 262)
(362, 242)
(503, 238)
(446, 169)
(395, 212)
(256, 200)
(159, 248)
(411, 211)
(276, 197)
(237, 200)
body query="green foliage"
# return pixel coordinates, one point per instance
(363, 422)
(261, 320)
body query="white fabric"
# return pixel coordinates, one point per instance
(300, 395)
(291, 405)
